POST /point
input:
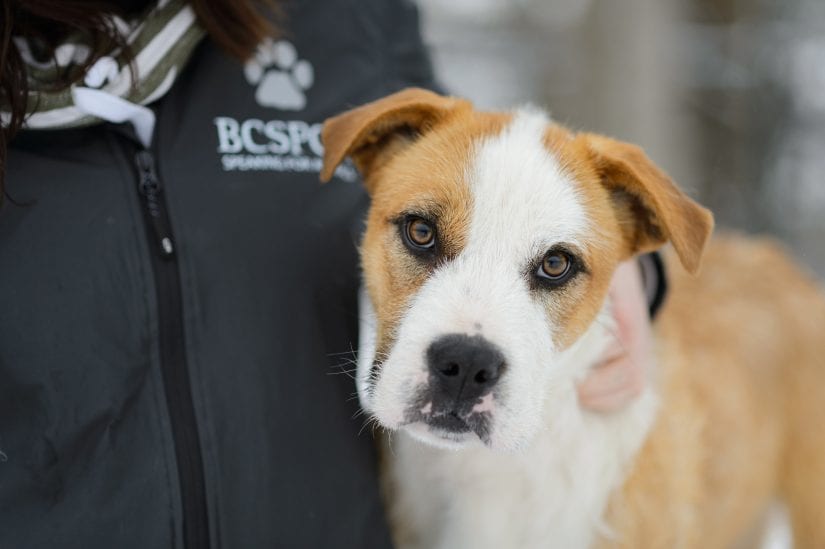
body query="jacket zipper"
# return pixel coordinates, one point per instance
(175, 373)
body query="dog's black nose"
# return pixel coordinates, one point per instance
(463, 367)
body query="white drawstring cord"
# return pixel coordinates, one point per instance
(112, 108)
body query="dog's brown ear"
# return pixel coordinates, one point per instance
(365, 131)
(651, 208)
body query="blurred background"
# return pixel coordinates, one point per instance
(728, 96)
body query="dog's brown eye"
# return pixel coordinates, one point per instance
(555, 265)
(420, 234)
(555, 269)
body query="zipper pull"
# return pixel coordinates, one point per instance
(150, 189)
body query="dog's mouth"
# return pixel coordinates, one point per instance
(448, 424)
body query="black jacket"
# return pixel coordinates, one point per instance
(152, 391)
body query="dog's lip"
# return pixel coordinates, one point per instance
(427, 432)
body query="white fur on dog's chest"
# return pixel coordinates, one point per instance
(554, 494)
(551, 495)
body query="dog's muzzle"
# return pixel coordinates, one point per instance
(463, 371)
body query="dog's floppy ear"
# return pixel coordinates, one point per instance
(365, 131)
(651, 209)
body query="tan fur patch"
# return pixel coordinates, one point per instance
(427, 178)
(740, 373)
(575, 308)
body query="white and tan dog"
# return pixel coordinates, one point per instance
(489, 248)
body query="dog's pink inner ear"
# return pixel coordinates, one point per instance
(650, 207)
(366, 133)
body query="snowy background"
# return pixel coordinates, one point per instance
(728, 96)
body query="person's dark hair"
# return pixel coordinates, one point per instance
(237, 26)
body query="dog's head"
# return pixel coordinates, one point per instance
(490, 244)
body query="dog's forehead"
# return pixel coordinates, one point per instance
(521, 192)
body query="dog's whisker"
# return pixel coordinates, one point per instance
(390, 447)
(345, 373)
(342, 368)
(371, 422)
(350, 352)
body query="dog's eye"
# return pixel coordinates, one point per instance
(419, 234)
(556, 267)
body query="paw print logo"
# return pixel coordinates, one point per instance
(281, 78)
